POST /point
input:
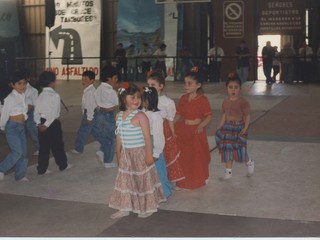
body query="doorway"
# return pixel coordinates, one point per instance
(262, 39)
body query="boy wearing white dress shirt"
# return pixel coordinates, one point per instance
(46, 116)
(12, 120)
(104, 127)
(88, 110)
(31, 128)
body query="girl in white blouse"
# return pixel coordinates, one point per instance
(13, 116)
(167, 109)
(150, 106)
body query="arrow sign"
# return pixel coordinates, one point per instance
(72, 53)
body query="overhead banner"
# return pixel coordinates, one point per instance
(73, 43)
(9, 25)
(286, 17)
(138, 22)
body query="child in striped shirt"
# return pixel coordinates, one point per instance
(137, 187)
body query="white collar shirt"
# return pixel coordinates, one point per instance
(31, 95)
(305, 54)
(47, 106)
(14, 104)
(167, 107)
(160, 54)
(106, 96)
(88, 101)
(216, 53)
(156, 130)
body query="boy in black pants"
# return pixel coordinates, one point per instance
(46, 116)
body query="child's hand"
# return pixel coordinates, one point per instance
(199, 129)
(89, 122)
(243, 131)
(42, 128)
(148, 160)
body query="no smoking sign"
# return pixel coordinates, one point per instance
(233, 19)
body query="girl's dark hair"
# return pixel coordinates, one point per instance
(158, 76)
(46, 78)
(195, 75)
(124, 92)
(150, 95)
(17, 76)
(90, 74)
(233, 77)
(107, 73)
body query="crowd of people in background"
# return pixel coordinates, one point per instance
(284, 64)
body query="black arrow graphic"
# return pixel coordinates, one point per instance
(72, 53)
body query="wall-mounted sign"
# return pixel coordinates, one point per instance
(282, 17)
(74, 40)
(233, 19)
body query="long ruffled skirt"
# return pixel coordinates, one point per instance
(232, 145)
(137, 187)
(195, 156)
(172, 155)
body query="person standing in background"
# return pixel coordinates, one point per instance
(31, 128)
(132, 62)
(145, 53)
(305, 57)
(161, 60)
(267, 58)
(286, 56)
(276, 65)
(120, 55)
(215, 55)
(242, 53)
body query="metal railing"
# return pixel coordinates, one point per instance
(176, 67)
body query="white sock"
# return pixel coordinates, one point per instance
(229, 170)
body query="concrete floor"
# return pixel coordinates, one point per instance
(280, 200)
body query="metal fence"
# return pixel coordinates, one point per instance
(176, 67)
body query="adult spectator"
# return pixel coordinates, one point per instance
(287, 59)
(120, 55)
(243, 54)
(305, 67)
(131, 55)
(267, 58)
(161, 54)
(185, 62)
(145, 54)
(215, 55)
(276, 65)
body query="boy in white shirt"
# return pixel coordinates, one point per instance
(88, 110)
(31, 128)
(104, 127)
(46, 116)
(12, 120)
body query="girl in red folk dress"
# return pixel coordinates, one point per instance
(167, 109)
(193, 115)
